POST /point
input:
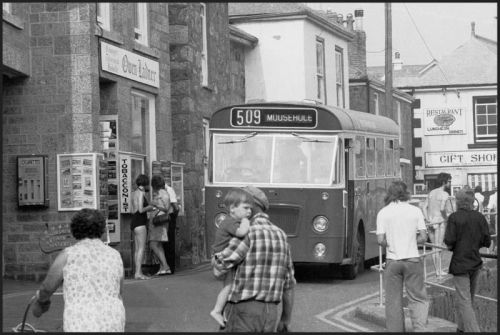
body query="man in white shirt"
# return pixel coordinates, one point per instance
(173, 211)
(478, 195)
(400, 226)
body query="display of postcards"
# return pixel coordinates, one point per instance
(113, 215)
(77, 178)
(67, 192)
(77, 186)
(66, 180)
(65, 162)
(76, 161)
(76, 170)
(66, 202)
(88, 202)
(112, 155)
(77, 193)
(113, 206)
(112, 144)
(87, 162)
(111, 227)
(87, 182)
(66, 171)
(88, 192)
(87, 170)
(112, 189)
(78, 203)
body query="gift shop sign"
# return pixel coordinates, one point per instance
(125, 183)
(129, 65)
(444, 121)
(460, 158)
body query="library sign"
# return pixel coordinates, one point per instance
(460, 158)
(130, 65)
(444, 121)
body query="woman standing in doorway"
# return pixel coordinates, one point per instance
(159, 234)
(140, 207)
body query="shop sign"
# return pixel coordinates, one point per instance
(444, 121)
(125, 184)
(460, 158)
(129, 65)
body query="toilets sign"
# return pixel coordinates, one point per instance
(129, 65)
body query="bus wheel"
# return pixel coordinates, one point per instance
(350, 271)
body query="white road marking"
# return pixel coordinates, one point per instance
(343, 309)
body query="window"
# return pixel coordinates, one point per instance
(339, 76)
(485, 118)
(320, 69)
(389, 157)
(380, 159)
(103, 15)
(142, 133)
(141, 22)
(376, 103)
(359, 149)
(7, 7)
(487, 181)
(206, 152)
(204, 51)
(397, 166)
(370, 157)
(399, 120)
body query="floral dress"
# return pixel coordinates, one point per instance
(159, 233)
(91, 286)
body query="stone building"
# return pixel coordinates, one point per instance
(123, 83)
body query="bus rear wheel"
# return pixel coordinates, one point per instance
(351, 271)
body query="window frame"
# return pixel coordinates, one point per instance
(104, 20)
(484, 138)
(380, 157)
(339, 74)
(376, 103)
(360, 157)
(149, 125)
(141, 31)
(320, 71)
(204, 44)
(371, 166)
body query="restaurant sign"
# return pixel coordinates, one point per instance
(130, 65)
(444, 121)
(460, 158)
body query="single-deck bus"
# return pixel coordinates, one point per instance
(324, 170)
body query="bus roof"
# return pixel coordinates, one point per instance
(336, 119)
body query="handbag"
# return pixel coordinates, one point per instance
(160, 220)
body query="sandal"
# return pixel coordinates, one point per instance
(163, 272)
(141, 277)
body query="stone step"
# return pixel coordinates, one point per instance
(373, 312)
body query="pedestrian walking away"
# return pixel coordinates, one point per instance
(467, 231)
(173, 211)
(239, 204)
(264, 274)
(400, 227)
(437, 207)
(91, 274)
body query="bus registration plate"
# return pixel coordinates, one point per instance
(274, 117)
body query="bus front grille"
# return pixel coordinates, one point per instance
(285, 217)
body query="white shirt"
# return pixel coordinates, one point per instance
(492, 203)
(400, 222)
(480, 199)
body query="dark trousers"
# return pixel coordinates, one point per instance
(251, 316)
(170, 245)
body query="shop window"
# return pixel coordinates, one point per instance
(379, 157)
(143, 134)
(141, 22)
(370, 157)
(359, 148)
(204, 43)
(320, 69)
(485, 119)
(104, 15)
(339, 76)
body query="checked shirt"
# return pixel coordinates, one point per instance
(265, 263)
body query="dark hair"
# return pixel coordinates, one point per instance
(465, 198)
(397, 191)
(235, 196)
(478, 188)
(142, 180)
(157, 182)
(443, 178)
(87, 223)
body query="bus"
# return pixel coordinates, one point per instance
(324, 170)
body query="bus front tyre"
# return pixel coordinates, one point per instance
(351, 271)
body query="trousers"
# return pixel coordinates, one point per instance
(411, 274)
(251, 316)
(465, 289)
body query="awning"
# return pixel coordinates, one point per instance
(486, 180)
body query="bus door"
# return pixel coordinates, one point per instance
(348, 195)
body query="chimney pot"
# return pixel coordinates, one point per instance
(340, 18)
(358, 21)
(350, 22)
(473, 29)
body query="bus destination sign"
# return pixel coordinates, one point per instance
(274, 117)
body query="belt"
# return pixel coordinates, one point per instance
(253, 300)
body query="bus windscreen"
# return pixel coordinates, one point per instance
(275, 159)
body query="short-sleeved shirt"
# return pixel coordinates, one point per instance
(400, 222)
(264, 263)
(226, 231)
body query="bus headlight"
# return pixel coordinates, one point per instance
(319, 250)
(219, 218)
(320, 224)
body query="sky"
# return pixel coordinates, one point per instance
(441, 26)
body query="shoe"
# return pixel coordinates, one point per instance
(141, 277)
(163, 272)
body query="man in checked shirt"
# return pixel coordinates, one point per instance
(264, 275)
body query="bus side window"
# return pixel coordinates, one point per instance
(397, 167)
(379, 153)
(370, 157)
(359, 148)
(389, 158)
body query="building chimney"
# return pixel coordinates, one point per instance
(397, 62)
(358, 19)
(332, 16)
(473, 29)
(350, 22)
(340, 19)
